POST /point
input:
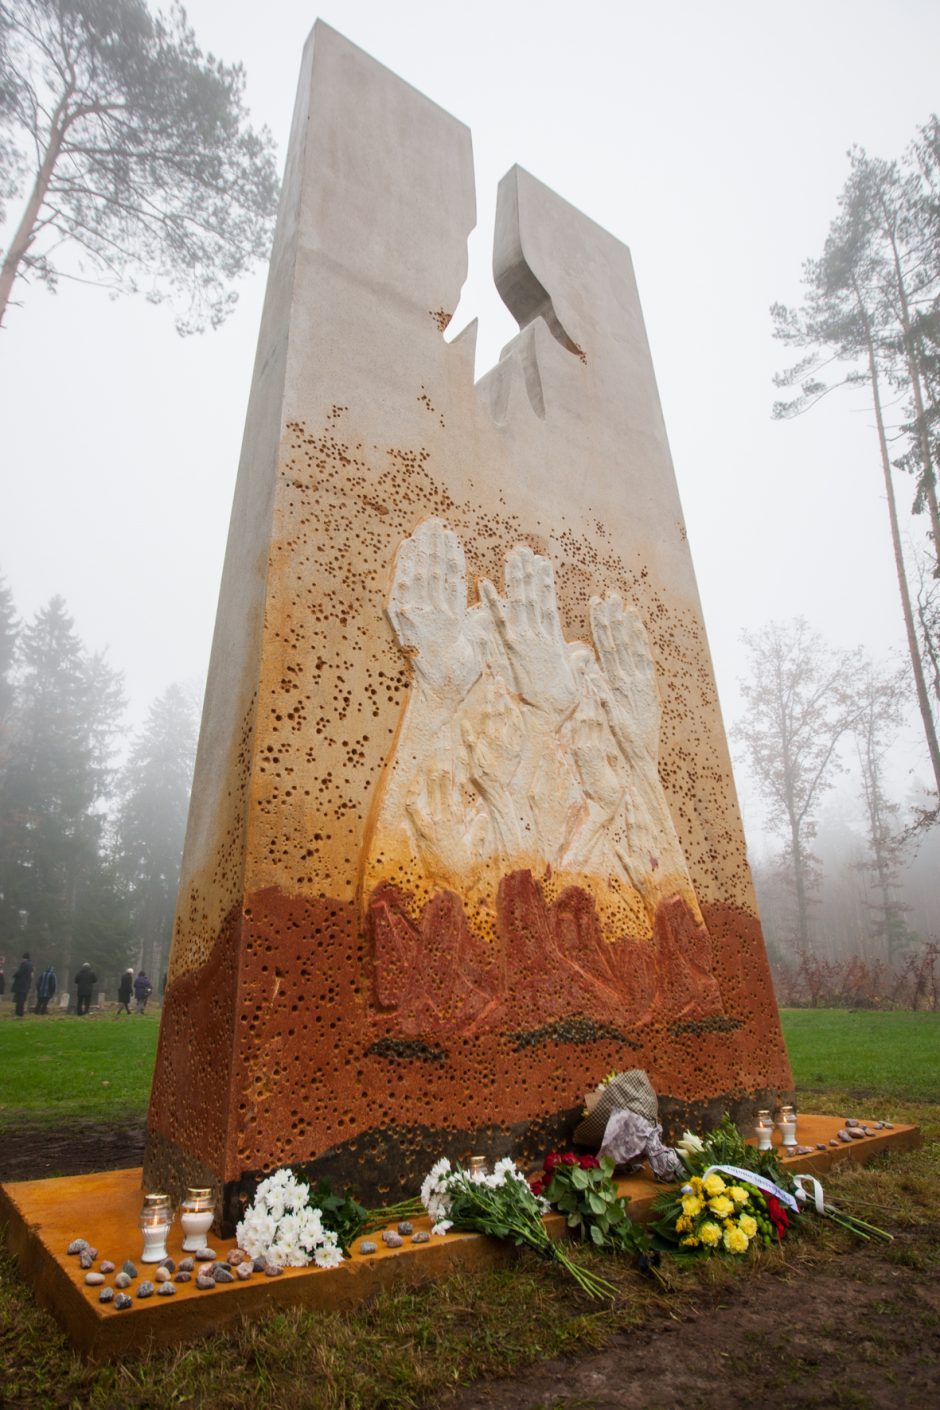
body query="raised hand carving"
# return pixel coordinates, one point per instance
(601, 771)
(448, 832)
(427, 607)
(649, 849)
(523, 761)
(530, 629)
(632, 701)
(553, 793)
(518, 748)
(493, 737)
(597, 755)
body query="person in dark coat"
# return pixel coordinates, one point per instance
(142, 991)
(85, 981)
(125, 990)
(3, 979)
(45, 989)
(22, 979)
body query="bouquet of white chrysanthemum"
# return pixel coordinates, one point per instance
(444, 1182)
(502, 1205)
(285, 1227)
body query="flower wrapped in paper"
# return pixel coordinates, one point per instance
(623, 1122)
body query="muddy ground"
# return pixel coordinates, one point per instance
(861, 1331)
(38, 1152)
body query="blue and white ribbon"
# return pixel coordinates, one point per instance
(768, 1186)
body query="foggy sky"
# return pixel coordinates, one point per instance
(709, 138)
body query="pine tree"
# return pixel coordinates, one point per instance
(58, 890)
(9, 631)
(871, 306)
(135, 153)
(151, 823)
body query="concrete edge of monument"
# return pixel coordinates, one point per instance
(41, 1217)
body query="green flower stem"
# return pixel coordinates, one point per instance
(847, 1225)
(492, 1212)
(593, 1285)
(392, 1213)
(857, 1226)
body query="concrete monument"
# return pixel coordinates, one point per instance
(463, 834)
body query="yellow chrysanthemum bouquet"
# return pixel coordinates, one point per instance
(713, 1215)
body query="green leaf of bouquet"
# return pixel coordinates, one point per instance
(580, 1178)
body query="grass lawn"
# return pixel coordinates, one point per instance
(864, 1053)
(63, 1068)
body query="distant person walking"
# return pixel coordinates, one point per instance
(22, 979)
(45, 989)
(142, 991)
(125, 990)
(3, 978)
(85, 981)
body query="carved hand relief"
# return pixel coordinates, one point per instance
(520, 752)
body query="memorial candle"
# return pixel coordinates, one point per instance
(197, 1213)
(787, 1125)
(764, 1130)
(155, 1220)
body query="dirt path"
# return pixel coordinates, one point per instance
(862, 1332)
(34, 1152)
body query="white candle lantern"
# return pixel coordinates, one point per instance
(764, 1130)
(196, 1215)
(787, 1125)
(155, 1220)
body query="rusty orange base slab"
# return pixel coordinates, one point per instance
(42, 1217)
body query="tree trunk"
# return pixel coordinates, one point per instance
(159, 965)
(930, 645)
(799, 886)
(913, 372)
(884, 872)
(917, 665)
(930, 479)
(70, 909)
(25, 231)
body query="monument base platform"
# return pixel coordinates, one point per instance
(41, 1218)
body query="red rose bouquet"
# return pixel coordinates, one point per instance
(581, 1187)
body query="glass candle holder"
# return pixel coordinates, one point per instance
(155, 1220)
(787, 1126)
(764, 1130)
(196, 1215)
(477, 1166)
